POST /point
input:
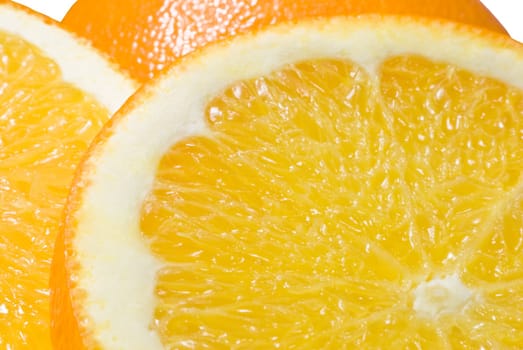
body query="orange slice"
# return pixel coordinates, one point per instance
(349, 183)
(144, 37)
(55, 94)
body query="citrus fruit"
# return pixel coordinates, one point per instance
(145, 36)
(55, 94)
(343, 183)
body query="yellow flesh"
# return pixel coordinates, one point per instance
(325, 198)
(45, 126)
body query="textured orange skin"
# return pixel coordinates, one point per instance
(62, 314)
(145, 36)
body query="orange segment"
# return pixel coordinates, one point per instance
(146, 36)
(474, 142)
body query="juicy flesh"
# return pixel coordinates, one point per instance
(326, 197)
(45, 124)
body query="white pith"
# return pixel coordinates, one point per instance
(440, 296)
(80, 64)
(117, 271)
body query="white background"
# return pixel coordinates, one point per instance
(509, 12)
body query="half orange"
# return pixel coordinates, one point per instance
(343, 183)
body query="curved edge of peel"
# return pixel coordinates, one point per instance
(74, 310)
(64, 321)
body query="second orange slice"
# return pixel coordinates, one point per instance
(55, 95)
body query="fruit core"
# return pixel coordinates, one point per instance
(440, 296)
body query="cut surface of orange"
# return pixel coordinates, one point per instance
(144, 37)
(55, 94)
(349, 183)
